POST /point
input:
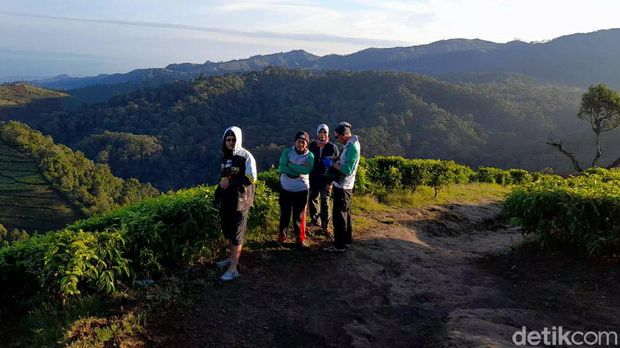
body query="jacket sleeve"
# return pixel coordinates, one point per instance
(251, 174)
(283, 167)
(336, 151)
(351, 156)
(305, 168)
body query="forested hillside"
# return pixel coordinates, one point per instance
(44, 185)
(27, 200)
(501, 123)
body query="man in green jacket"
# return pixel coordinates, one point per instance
(343, 186)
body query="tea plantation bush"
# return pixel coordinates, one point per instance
(581, 212)
(137, 241)
(393, 173)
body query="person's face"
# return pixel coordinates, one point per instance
(301, 145)
(322, 135)
(230, 142)
(341, 138)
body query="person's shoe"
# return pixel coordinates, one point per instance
(282, 237)
(303, 245)
(223, 263)
(314, 223)
(333, 249)
(229, 275)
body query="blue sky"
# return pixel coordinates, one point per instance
(88, 37)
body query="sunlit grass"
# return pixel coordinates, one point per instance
(473, 193)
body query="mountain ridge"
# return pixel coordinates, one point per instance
(578, 59)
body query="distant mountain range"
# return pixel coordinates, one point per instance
(575, 60)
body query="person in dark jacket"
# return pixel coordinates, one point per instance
(325, 152)
(235, 194)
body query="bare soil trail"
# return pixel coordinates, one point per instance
(440, 276)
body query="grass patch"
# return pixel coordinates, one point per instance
(473, 193)
(88, 321)
(369, 204)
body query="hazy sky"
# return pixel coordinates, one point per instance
(88, 37)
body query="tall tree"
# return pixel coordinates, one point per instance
(601, 107)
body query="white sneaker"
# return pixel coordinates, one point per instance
(229, 275)
(223, 263)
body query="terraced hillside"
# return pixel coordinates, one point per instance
(20, 94)
(27, 200)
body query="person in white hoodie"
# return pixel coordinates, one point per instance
(235, 194)
(295, 165)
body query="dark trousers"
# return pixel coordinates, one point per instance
(234, 224)
(342, 217)
(294, 202)
(316, 194)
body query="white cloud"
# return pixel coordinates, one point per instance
(158, 32)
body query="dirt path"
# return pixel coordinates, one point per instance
(425, 278)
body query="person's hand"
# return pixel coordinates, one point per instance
(336, 165)
(224, 183)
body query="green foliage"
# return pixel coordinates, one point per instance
(91, 187)
(84, 260)
(393, 173)
(581, 212)
(140, 240)
(28, 200)
(362, 183)
(394, 114)
(520, 176)
(162, 232)
(494, 175)
(62, 263)
(12, 235)
(271, 178)
(600, 106)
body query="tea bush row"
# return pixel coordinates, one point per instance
(580, 212)
(138, 241)
(394, 173)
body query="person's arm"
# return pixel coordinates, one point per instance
(251, 173)
(305, 168)
(283, 165)
(351, 157)
(336, 151)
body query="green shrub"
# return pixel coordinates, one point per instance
(271, 178)
(580, 212)
(493, 175)
(140, 240)
(520, 176)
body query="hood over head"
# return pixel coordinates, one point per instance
(250, 162)
(238, 135)
(322, 126)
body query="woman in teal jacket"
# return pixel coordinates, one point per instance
(295, 166)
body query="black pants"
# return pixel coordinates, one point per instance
(342, 217)
(295, 202)
(234, 224)
(313, 203)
